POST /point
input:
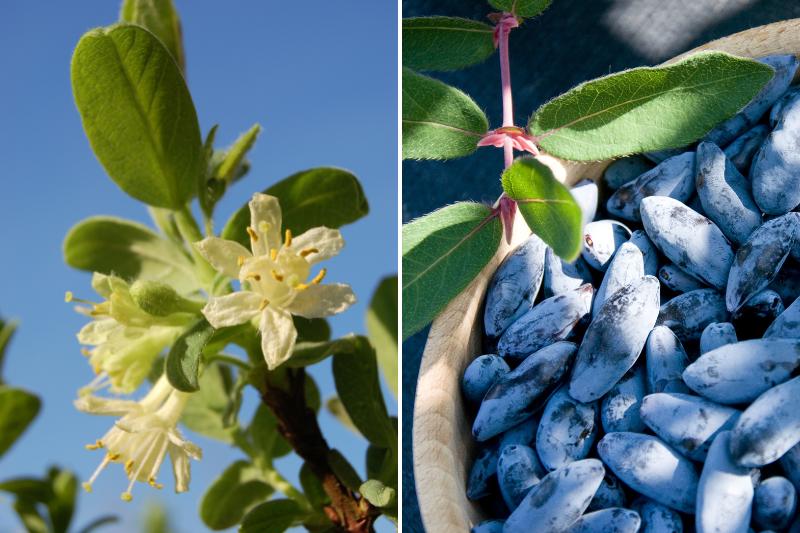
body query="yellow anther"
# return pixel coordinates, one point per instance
(252, 233)
(86, 486)
(308, 251)
(113, 456)
(263, 226)
(319, 277)
(288, 238)
(96, 446)
(152, 483)
(126, 496)
(240, 260)
(68, 296)
(276, 276)
(129, 467)
(264, 304)
(273, 254)
(253, 275)
(300, 287)
(96, 369)
(85, 352)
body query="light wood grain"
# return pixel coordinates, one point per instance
(442, 439)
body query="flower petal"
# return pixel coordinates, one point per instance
(97, 405)
(265, 221)
(319, 301)
(277, 336)
(97, 331)
(180, 467)
(326, 241)
(232, 309)
(222, 254)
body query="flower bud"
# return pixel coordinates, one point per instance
(159, 299)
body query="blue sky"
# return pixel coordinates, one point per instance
(321, 80)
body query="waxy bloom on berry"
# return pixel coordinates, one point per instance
(125, 339)
(142, 437)
(276, 278)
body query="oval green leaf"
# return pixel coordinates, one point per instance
(309, 353)
(547, 206)
(323, 196)
(275, 516)
(138, 114)
(648, 108)
(382, 328)
(132, 251)
(232, 494)
(378, 494)
(183, 360)
(18, 408)
(205, 411)
(521, 8)
(445, 43)
(442, 253)
(439, 121)
(160, 17)
(356, 377)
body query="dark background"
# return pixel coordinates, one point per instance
(573, 41)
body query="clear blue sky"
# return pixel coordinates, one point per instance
(321, 79)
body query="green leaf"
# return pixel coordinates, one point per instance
(313, 488)
(18, 408)
(442, 253)
(263, 431)
(336, 408)
(344, 470)
(132, 251)
(183, 360)
(439, 121)
(378, 494)
(105, 520)
(312, 329)
(521, 8)
(62, 505)
(382, 328)
(547, 206)
(232, 494)
(160, 17)
(322, 196)
(356, 378)
(376, 456)
(6, 332)
(205, 411)
(275, 516)
(235, 155)
(138, 114)
(445, 43)
(648, 108)
(28, 488)
(31, 517)
(309, 353)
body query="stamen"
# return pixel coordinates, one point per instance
(252, 233)
(96, 446)
(129, 467)
(126, 496)
(319, 277)
(308, 251)
(300, 287)
(276, 276)
(68, 296)
(288, 238)
(240, 260)
(264, 304)
(253, 275)
(152, 483)
(112, 456)
(85, 352)
(86, 486)
(273, 254)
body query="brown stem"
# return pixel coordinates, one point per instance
(298, 424)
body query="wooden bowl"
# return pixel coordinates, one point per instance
(442, 439)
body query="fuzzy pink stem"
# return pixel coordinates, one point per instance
(504, 29)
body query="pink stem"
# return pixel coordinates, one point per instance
(505, 77)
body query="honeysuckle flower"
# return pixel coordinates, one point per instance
(519, 139)
(142, 437)
(125, 340)
(274, 276)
